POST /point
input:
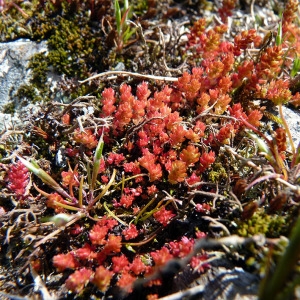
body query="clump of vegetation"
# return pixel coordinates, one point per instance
(148, 175)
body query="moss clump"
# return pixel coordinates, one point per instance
(74, 49)
(14, 23)
(75, 42)
(30, 93)
(218, 173)
(39, 67)
(9, 108)
(272, 226)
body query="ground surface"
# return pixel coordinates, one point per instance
(195, 193)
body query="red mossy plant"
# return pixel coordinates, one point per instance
(86, 137)
(65, 261)
(112, 265)
(79, 279)
(163, 216)
(173, 147)
(18, 180)
(226, 9)
(102, 278)
(159, 150)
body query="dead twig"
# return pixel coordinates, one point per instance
(216, 224)
(151, 77)
(40, 285)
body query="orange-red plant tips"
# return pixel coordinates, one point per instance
(177, 172)
(18, 179)
(87, 138)
(163, 216)
(190, 155)
(79, 279)
(102, 278)
(65, 261)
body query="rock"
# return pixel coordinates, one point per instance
(14, 59)
(292, 117)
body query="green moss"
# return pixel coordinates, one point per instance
(75, 50)
(77, 44)
(9, 108)
(29, 93)
(272, 226)
(139, 7)
(218, 173)
(13, 23)
(39, 67)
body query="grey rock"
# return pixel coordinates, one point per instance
(232, 284)
(292, 117)
(14, 59)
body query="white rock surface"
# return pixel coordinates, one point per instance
(292, 117)
(14, 59)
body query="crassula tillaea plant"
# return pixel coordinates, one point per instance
(141, 159)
